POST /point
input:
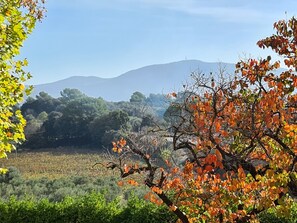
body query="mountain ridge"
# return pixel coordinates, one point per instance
(156, 78)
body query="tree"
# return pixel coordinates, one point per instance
(148, 121)
(77, 114)
(159, 102)
(51, 132)
(33, 130)
(71, 94)
(17, 20)
(242, 137)
(43, 103)
(137, 97)
(103, 129)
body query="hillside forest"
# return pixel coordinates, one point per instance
(75, 119)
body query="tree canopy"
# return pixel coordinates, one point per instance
(17, 20)
(75, 119)
(137, 97)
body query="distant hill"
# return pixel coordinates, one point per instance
(160, 78)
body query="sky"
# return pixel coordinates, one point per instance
(107, 38)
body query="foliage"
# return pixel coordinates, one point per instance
(89, 208)
(104, 129)
(139, 210)
(272, 216)
(17, 20)
(77, 119)
(46, 200)
(61, 121)
(77, 114)
(137, 97)
(93, 208)
(43, 103)
(69, 94)
(241, 136)
(159, 102)
(12, 184)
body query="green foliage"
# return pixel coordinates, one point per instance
(104, 129)
(147, 121)
(87, 209)
(56, 190)
(140, 211)
(174, 111)
(17, 20)
(69, 94)
(77, 114)
(134, 123)
(159, 102)
(172, 115)
(137, 97)
(75, 119)
(274, 215)
(43, 103)
(61, 121)
(11, 174)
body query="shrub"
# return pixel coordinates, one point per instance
(274, 215)
(91, 208)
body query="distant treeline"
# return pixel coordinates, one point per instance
(75, 119)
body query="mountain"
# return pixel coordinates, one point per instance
(160, 78)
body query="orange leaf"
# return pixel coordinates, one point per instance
(208, 168)
(218, 155)
(122, 142)
(132, 182)
(287, 128)
(157, 190)
(174, 170)
(218, 126)
(241, 172)
(126, 168)
(199, 170)
(172, 208)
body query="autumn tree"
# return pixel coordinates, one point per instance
(17, 20)
(240, 136)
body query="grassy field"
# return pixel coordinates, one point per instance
(58, 162)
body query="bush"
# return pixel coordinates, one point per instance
(274, 215)
(138, 210)
(92, 208)
(12, 174)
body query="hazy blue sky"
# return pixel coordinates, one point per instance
(109, 37)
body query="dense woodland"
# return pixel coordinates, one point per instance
(75, 119)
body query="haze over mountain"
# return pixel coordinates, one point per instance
(160, 78)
